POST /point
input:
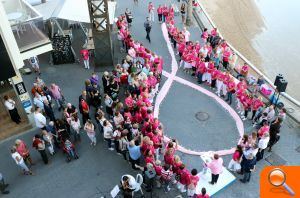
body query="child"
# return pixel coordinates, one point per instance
(70, 150)
(203, 194)
(194, 178)
(166, 177)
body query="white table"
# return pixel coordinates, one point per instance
(14, 16)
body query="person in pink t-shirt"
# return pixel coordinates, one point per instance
(203, 194)
(234, 164)
(256, 104)
(151, 11)
(230, 90)
(165, 13)
(85, 57)
(264, 129)
(160, 13)
(184, 178)
(204, 35)
(194, 179)
(216, 168)
(226, 56)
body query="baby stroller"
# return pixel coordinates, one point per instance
(69, 149)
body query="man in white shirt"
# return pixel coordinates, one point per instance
(40, 120)
(262, 145)
(38, 101)
(187, 35)
(11, 107)
(19, 161)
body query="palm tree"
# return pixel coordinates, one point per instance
(189, 17)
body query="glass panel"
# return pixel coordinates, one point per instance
(26, 23)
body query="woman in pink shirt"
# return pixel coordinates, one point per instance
(194, 179)
(160, 13)
(184, 178)
(226, 56)
(264, 129)
(216, 168)
(234, 164)
(204, 35)
(203, 194)
(23, 151)
(256, 104)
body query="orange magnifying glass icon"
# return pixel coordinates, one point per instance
(277, 178)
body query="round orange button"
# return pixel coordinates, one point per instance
(277, 177)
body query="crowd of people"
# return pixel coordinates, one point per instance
(211, 62)
(145, 139)
(127, 124)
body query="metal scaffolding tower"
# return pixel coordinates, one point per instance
(101, 32)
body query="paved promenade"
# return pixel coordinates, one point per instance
(98, 170)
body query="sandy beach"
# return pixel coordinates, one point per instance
(239, 22)
(242, 24)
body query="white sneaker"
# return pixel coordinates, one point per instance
(244, 119)
(111, 149)
(183, 191)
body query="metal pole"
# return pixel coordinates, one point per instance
(189, 17)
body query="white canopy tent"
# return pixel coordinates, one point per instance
(72, 10)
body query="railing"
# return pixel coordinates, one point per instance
(205, 21)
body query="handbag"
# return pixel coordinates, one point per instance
(177, 177)
(130, 16)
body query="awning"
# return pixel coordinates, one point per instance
(73, 10)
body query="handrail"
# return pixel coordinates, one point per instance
(284, 94)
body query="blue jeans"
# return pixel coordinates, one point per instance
(71, 153)
(199, 76)
(100, 127)
(229, 97)
(247, 176)
(108, 142)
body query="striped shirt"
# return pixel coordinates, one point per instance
(166, 175)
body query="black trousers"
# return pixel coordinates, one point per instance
(213, 83)
(229, 97)
(247, 176)
(260, 154)
(2, 185)
(148, 36)
(14, 115)
(85, 117)
(225, 64)
(214, 178)
(134, 162)
(44, 156)
(159, 17)
(253, 114)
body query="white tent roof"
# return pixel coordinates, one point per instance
(73, 10)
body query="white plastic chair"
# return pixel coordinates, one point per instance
(139, 181)
(15, 28)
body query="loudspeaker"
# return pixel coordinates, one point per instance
(282, 84)
(278, 77)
